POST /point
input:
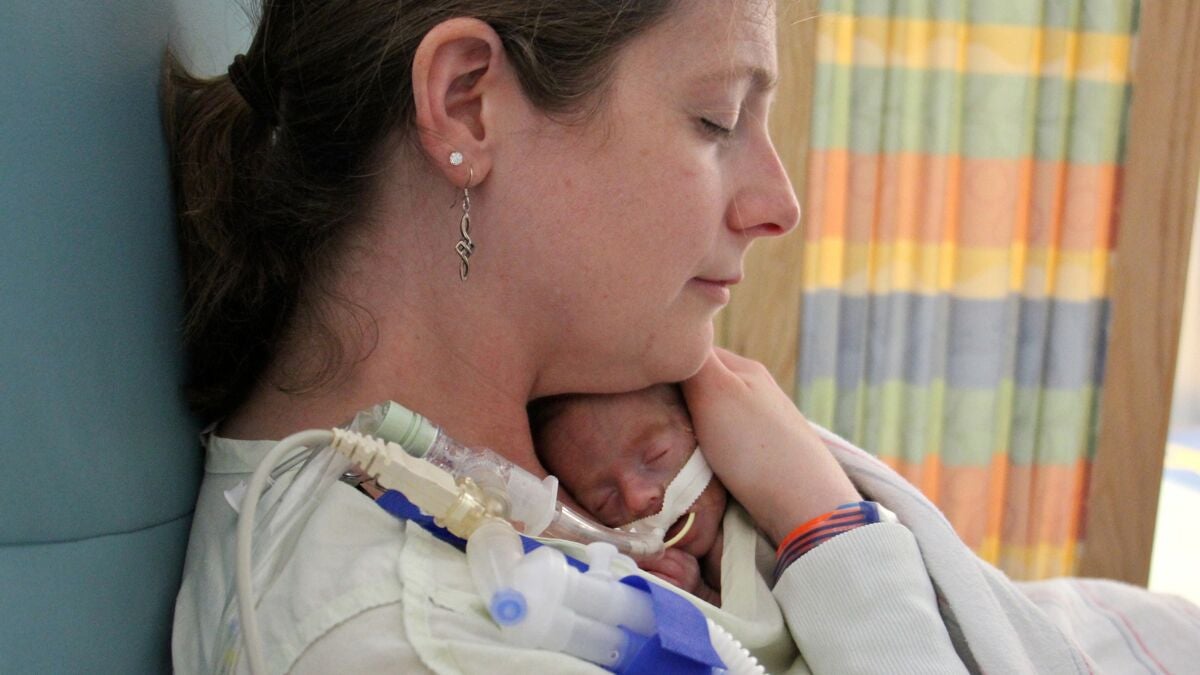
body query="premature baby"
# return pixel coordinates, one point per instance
(616, 454)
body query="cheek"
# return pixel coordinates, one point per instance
(712, 502)
(710, 512)
(611, 254)
(660, 200)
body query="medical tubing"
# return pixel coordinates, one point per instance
(464, 489)
(242, 572)
(604, 598)
(460, 506)
(737, 659)
(571, 525)
(542, 581)
(531, 502)
(493, 551)
(539, 601)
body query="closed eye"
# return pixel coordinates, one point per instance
(715, 130)
(656, 456)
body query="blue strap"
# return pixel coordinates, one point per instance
(681, 644)
(398, 505)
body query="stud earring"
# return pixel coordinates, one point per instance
(465, 246)
(456, 158)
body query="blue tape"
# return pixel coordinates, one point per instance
(681, 644)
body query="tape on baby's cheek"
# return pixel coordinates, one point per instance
(681, 494)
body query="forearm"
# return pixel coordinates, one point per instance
(863, 603)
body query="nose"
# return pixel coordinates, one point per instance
(765, 205)
(642, 497)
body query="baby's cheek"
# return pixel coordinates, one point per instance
(710, 512)
(712, 501)
(600, 515)
(717, 493)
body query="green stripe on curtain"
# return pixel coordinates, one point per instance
(1049, 426)
(1007, 116)
(961, 207)
(1080, 15)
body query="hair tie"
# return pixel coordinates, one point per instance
(252, 90)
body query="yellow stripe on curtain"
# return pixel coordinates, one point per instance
(963, 187)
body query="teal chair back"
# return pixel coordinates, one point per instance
(99, 463)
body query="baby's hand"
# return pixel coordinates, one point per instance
(682, 570)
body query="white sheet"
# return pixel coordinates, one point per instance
(1056, 626)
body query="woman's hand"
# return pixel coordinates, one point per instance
(761, 447)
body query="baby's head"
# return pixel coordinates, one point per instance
(616, 454)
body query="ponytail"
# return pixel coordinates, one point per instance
(237, 293)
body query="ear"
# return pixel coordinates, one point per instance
(459, 74)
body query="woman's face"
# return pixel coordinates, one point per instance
(640, 218)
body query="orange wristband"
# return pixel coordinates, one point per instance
(822, 528)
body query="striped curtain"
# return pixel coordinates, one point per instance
(962, 192)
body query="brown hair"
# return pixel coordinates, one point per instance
(264, 195)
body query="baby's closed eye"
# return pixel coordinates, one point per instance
(656, 456)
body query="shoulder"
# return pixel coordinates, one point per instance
(346, 560)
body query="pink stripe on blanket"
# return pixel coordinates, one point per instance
(1083, 590)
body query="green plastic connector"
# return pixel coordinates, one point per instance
(407, 429)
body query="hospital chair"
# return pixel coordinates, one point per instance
(99, 463)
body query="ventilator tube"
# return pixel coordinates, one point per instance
(530, 504)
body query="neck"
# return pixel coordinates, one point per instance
(466, 371)
(460, 394)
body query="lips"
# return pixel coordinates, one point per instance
(716, 288)
(721, 281)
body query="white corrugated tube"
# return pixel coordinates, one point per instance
(737, 659)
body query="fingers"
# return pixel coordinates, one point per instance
(675, 566)
(682, 570)
(760, 445)
(724, 366)
(712, 368)
(722, 370)
(735, 362)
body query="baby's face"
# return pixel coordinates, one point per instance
(617, 454)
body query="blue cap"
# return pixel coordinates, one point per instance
(508, 607)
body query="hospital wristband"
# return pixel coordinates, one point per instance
(822, 528)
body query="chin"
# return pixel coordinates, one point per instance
(672, 354)
(683, 358)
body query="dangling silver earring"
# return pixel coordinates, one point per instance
(465, 246)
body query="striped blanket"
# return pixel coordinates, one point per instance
(1055, 626)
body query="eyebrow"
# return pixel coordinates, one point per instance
(761, 79)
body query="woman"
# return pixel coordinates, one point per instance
(608, 166)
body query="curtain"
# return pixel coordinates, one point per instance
(963, 183)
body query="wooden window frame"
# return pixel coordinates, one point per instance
(1161, 175)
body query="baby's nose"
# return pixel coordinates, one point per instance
(643, 498)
